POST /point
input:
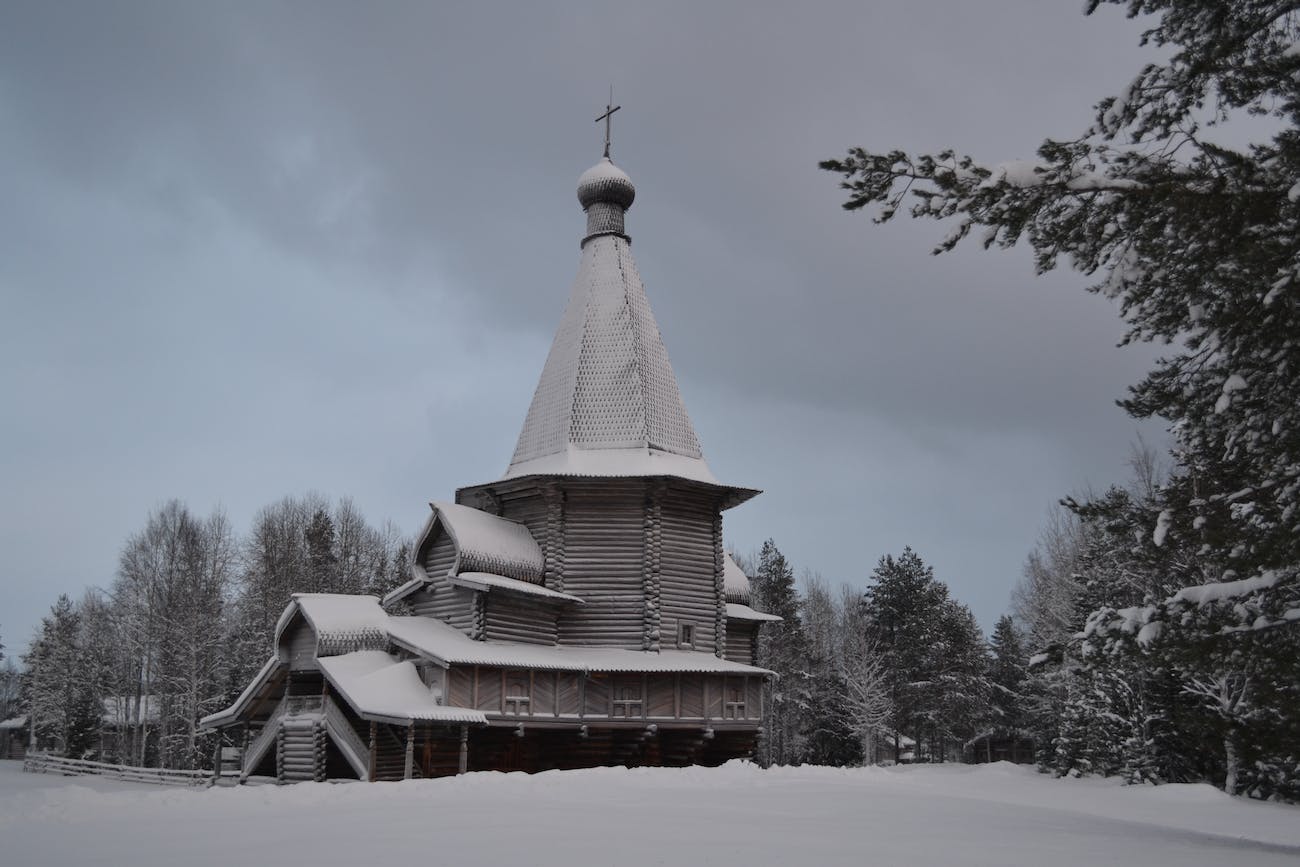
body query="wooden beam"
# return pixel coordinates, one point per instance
(464, 749)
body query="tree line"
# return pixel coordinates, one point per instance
(127, 671)
(900, 672)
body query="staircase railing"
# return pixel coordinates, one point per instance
(355, 750)
(265, 738)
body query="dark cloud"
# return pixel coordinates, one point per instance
(251, 249)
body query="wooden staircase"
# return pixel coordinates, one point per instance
(300, 749)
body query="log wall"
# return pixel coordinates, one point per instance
(740, 641)
(528, 507)
(509, 618)
(452, 605)
(298, 645)
(688, 587)
(604, 547)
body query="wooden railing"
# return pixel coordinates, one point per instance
(45, 764)
(264, 739)
(353, 748)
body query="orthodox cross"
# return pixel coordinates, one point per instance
(610, 108)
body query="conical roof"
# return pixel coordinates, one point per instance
(607, 403)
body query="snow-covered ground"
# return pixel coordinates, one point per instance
(742, 815)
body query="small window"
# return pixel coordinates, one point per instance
(518, 697)
(627, 698)
(734, 706)
(685, 635)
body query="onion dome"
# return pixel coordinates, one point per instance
(605, 182)
(605, 193)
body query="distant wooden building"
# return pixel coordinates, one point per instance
(580, 610)
(13, 738)
(1000, 746)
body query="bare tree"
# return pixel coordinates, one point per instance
(861, 667)
(1044, 599)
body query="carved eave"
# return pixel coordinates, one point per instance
(727, 496)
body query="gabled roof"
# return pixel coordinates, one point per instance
(342, 622)
(487, 543)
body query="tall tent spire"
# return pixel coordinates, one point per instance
(607, 403)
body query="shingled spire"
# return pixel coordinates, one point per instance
(607, 403)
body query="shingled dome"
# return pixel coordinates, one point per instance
(605, 182)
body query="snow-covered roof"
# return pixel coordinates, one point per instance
(399, 593)
(735, 583)
(437, 640)
(254, 687)
(488, 581)
(607, 385)
(342, 623)
(736, 611)
(381, 688)
(16, 722)
(488, 543)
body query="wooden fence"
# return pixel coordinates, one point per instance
(43, 764)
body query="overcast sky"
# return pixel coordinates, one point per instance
(257, 249)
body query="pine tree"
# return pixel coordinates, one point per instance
(1007, 675)
(322, 558)
(783, 649)
(915, 626)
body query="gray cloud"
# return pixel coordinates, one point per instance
(253, 249)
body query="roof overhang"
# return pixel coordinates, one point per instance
(736, 611)
(488, 582)
(253, 691)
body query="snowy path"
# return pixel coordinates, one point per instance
(990, 815)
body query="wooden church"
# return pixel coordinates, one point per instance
(578, 611)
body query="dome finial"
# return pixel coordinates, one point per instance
(610, 108)
(604, 190)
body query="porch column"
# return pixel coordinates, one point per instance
(216, 756)
(244, 771)
(464, 750)
(410, 751)
(374, 751)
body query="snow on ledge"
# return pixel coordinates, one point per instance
(488, 581)
(437, 640)
(636, 461)
(736, 611)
